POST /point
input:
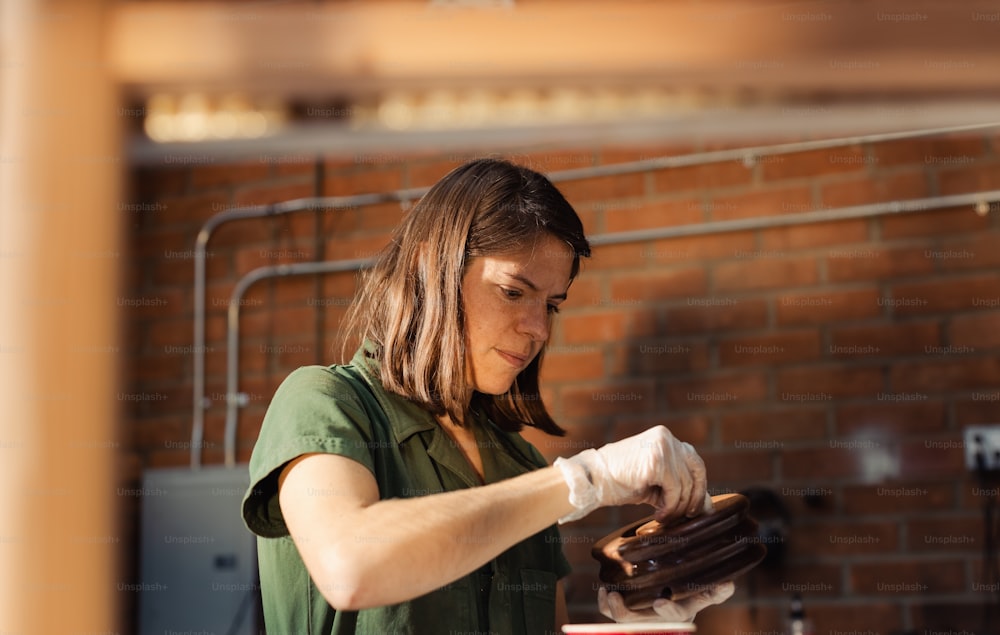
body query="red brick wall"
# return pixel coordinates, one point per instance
(834, 363)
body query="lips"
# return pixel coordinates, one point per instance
(515, 360)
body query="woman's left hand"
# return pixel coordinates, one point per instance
(612, 605)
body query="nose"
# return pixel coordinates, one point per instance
(535, 321)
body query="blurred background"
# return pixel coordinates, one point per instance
(796, 213)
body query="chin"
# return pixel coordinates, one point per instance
(493, 391)
(497, 387)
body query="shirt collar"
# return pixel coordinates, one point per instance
(405, 417)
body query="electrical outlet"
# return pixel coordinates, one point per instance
(982, 441)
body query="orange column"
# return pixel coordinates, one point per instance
(60, 261)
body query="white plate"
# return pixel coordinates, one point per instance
(635, 628)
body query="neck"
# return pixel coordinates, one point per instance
(446, 422)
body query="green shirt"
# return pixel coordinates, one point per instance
(345, 410)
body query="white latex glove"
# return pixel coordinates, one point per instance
(651, 467)
(613, 606)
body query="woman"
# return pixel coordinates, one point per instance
(394, 494)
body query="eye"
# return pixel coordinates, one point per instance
(553, 309)
(511, 294)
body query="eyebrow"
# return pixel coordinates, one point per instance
(531, 285)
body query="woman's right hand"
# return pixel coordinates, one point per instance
(651, 467)
(613, 606)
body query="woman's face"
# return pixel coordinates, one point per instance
(509, 302)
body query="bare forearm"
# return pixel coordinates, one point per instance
(432, 540)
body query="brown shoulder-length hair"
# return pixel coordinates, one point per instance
(410, 303)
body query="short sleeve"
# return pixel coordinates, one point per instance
(314, 410)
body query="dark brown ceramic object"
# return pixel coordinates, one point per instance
(648, 560)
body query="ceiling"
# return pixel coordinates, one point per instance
(356, 76)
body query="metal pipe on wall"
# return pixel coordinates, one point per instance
(749, 155)
(746, 155)
(235, 399)
(200, 252)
